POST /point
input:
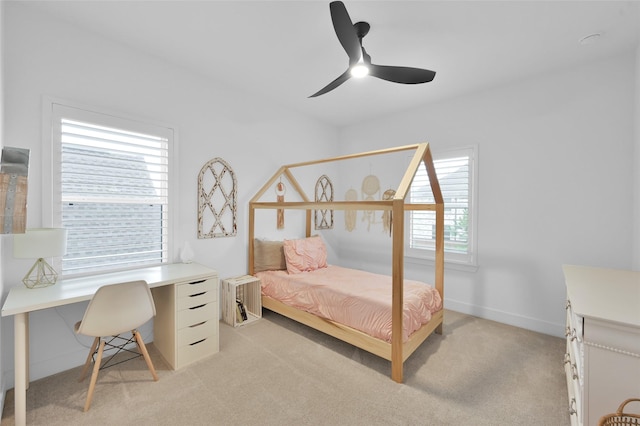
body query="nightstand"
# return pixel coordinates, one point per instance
(246, 290)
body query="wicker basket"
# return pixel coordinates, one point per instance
(621, 419)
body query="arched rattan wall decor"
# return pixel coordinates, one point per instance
(323, 219)
(217, 198)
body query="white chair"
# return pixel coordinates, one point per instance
(113, 310)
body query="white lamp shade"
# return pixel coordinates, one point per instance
(40, 242)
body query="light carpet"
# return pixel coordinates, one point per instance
(276, 372)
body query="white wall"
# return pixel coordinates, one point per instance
(555, 185)
(45, 57)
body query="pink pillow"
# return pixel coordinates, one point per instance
(306, 254)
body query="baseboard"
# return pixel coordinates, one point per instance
(533, 324)
(4, 392)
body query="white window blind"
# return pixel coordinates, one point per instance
(456, 178)
(114, 196)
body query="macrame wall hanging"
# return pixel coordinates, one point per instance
(217, 198)
(370, 188)
(281, 190)
(350, 214)
(323, 219)
(387, 215)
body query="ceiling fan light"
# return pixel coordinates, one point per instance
(359, 70)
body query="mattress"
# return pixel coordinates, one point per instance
(358, 299)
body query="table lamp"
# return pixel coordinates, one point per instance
(40, 243)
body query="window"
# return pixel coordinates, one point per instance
(110, 190)
(456, 172)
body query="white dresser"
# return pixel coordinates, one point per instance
(602, 362)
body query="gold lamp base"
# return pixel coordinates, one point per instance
(40, 275)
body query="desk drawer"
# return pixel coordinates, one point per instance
(187, 289)
(197, 350)
(196, 299)
(196, 314)
(197, 331)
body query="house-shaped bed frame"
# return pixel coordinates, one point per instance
(397, 351)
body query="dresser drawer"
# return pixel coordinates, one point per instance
(574, 365)
(575, 396)
(197, 331)
(196, 299)
(575, 345)
(575, 352)
(196, 314)
(575, 325)
(197, 350)
(188, 289)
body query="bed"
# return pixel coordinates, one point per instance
(401, 334)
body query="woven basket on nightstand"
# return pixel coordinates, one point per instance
(621, 419)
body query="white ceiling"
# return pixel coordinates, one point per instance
(287, 50)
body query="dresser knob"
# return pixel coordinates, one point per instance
(574, 371)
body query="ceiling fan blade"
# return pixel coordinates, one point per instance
(345, 31)
(335, 83)
(405, 75)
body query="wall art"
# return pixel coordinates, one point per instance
(281, 190)
(370, 188)
(387, 215)
(351, 214)
(323, 219)
(217, 200)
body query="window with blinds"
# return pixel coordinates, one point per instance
(455, 170)
(113, 195)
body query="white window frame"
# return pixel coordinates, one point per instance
(51, 150)
(463, 261)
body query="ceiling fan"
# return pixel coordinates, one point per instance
(350, 36)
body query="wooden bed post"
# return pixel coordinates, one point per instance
(397, 300)
(308, 225)
(437, 195)
(439, 284)
(252, 218)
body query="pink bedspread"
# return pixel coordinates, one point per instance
(359, 299)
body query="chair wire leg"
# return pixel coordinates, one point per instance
(94, 376)
(112, 360)
(92, 351)
(145, 354)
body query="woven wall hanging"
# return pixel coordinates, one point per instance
(217, 198)
(387, 215)
(323, 219)
(281, 190)
(370, 188)
(351, 214)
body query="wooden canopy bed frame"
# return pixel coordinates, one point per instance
(397, 351)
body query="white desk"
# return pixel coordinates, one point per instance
(21, 300)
